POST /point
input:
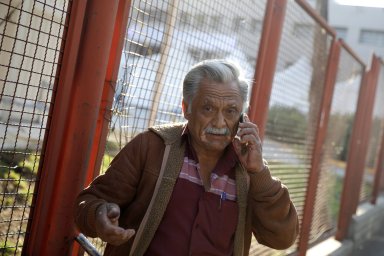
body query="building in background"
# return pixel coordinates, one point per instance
(362, 28)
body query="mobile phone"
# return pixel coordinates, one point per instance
(241, 120)
(244, 147)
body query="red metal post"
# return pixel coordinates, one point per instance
(322, 125)
(266, 62)
(368, 121)
(357, 152)
(380, 163)
(354, 147)
(73, 125)
(105, 114)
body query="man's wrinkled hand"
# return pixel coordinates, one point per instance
(107, 225)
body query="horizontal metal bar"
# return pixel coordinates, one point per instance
(351, 52)
(87, 245)
(320, 20)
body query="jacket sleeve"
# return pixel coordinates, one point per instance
(118, 185)
(274, 217)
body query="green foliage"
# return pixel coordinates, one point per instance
(8, 248)
(286, 124)
(112, 147)
(107, 159)
(335, 189)
(31, 164)
(19, 179)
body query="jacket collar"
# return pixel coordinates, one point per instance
(170, 133)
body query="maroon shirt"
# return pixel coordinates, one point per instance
(199, 222)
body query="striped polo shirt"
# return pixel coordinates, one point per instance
(199, 222)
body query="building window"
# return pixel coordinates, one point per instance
(372, 37)
(302, 30)
(341, 32)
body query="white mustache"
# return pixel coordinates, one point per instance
(217, 131)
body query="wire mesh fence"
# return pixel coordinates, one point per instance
(334, 160)
(163, 40)
(30, 42)
(295, 103)
(376, 135)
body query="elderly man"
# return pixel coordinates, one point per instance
(200, 188)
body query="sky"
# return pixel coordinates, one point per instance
(367, 3)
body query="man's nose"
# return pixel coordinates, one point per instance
(219, 120)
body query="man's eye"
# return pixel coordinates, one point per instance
(232, 111)
(207, 108)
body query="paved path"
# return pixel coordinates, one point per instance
(372, 247)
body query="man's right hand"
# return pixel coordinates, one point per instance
(107, 225)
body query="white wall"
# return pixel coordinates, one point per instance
(356, 18)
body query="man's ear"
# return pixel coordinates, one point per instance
(184, 105)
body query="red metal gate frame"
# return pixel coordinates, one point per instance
(321, 131)
(89, 65)
(380, 163)
(357, 150)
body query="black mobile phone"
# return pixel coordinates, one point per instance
(241, 119)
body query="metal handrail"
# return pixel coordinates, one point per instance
(87, 245)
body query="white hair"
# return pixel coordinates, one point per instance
(217, 70)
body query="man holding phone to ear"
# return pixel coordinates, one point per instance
(197, 188)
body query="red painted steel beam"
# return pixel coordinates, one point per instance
(72, 36)
(380, 164)
(105, 113)
(322, 125)
(266, 62)
(344, 218)
(367, 127)
(73, 125)
(357, 153)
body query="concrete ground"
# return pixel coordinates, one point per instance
(373, 246)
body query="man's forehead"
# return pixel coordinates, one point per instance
(212, 98)
(230, 88)
(225, 101)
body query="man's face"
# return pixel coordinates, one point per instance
(214, 115)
